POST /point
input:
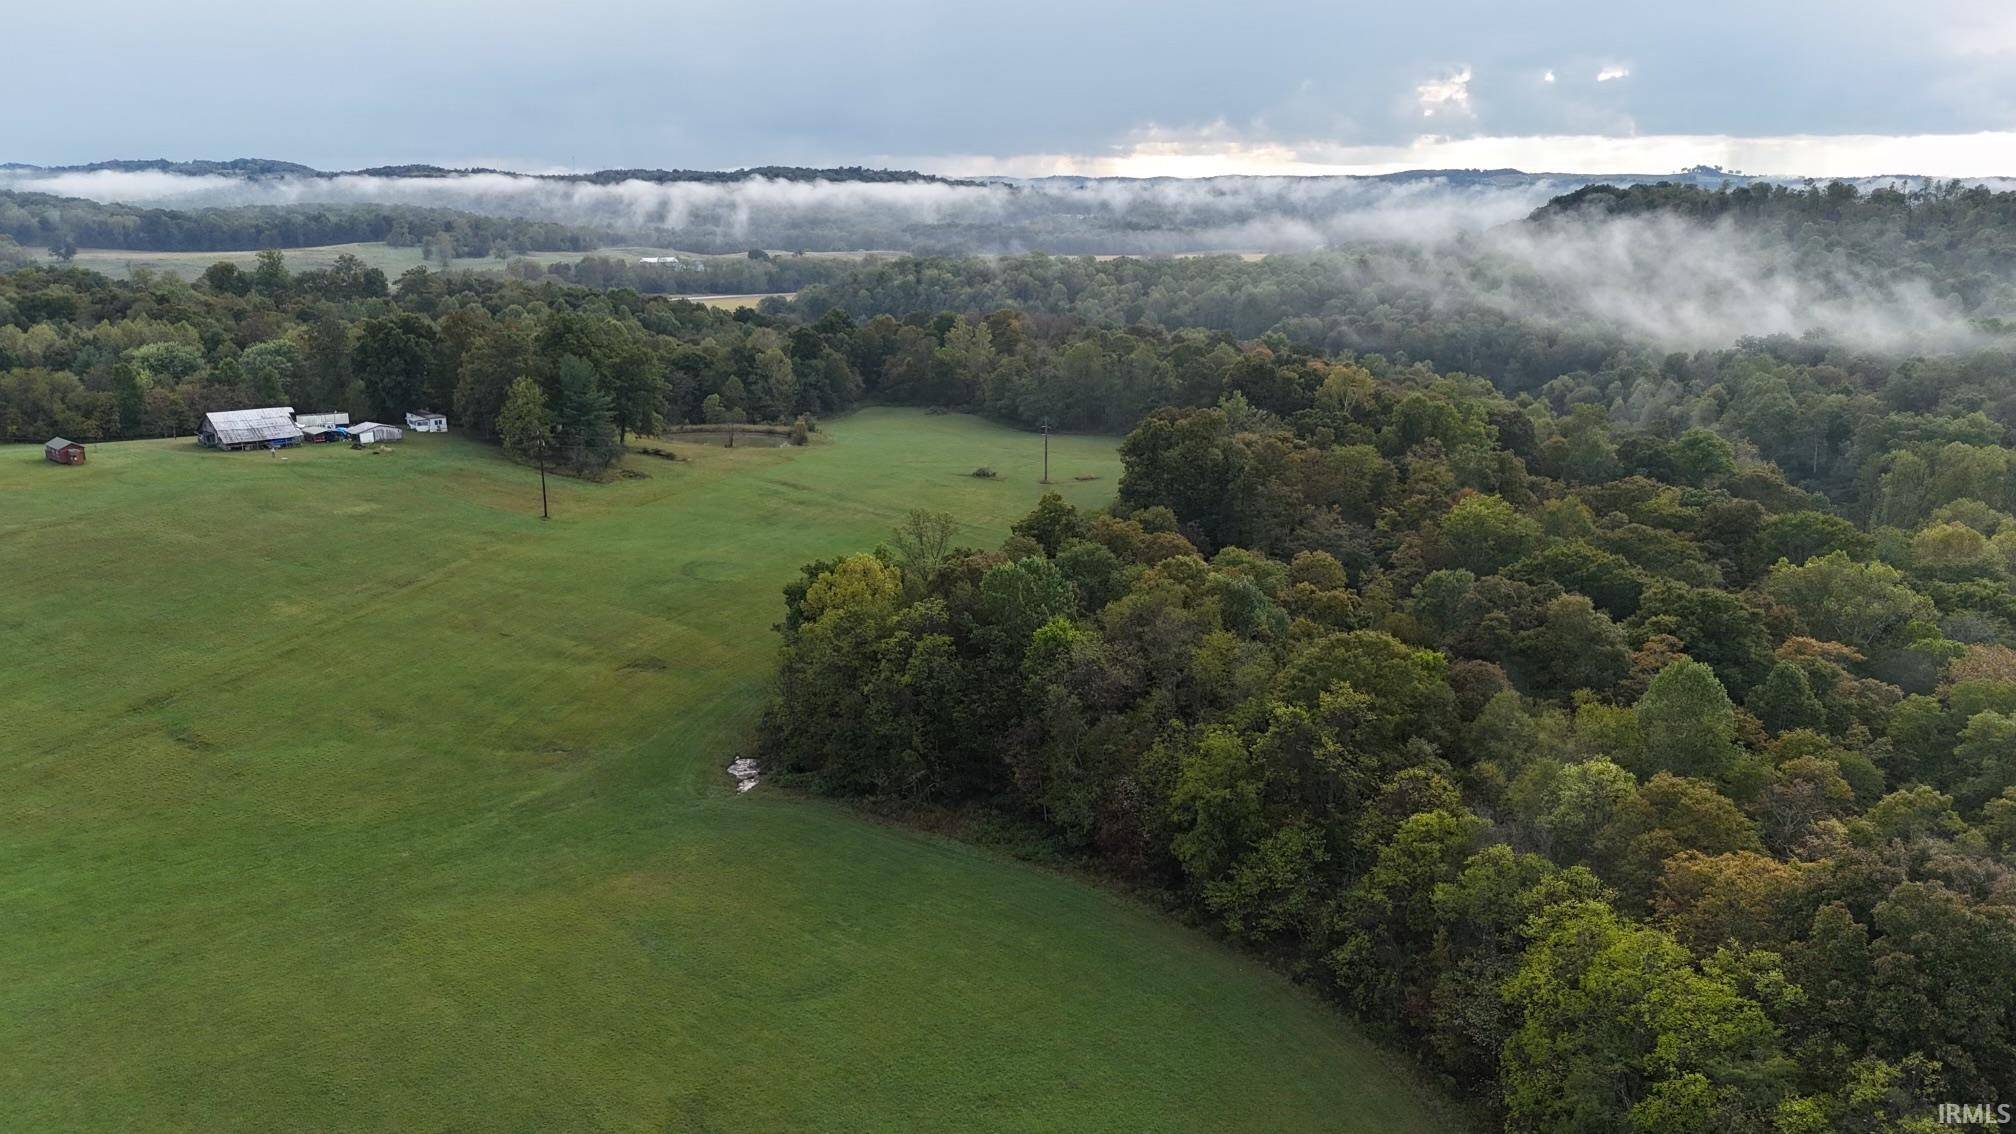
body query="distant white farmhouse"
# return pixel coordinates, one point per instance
(427, 421)
(371, 432)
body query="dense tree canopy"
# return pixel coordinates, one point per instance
(1580, 785)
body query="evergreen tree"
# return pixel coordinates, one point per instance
(585, 422)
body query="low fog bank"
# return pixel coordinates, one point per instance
(1674, 284)
(1450, 240)
(1066, 216)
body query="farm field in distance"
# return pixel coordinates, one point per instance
(119, 263)
(731, 302)
(342, 792)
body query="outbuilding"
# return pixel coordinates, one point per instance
(371, 432)
(309, 421)
(427, 421)
(267, 428)
(63, 452)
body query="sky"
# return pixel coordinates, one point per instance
(1182, 87)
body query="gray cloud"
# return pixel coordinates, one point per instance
(621, 83)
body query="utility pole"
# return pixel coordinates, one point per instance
(544, 512)
(1046, 450)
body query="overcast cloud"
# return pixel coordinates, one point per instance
(1789, 86)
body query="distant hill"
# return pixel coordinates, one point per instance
(266, 167)
(40, 219)
(236, 167)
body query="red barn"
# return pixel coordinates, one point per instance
(63, 452)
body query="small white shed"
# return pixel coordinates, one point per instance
(371, 432)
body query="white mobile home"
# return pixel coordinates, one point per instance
(427, 421)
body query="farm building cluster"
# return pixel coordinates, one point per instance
(276, 427)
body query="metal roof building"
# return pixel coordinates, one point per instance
(372, 432)
(305, 420)
(250, 428)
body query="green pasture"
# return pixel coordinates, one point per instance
(341, 792)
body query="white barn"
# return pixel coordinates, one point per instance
(249, 429)
(427, 421)
(371, 432)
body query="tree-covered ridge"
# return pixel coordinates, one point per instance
(41, 220)
(1947, 230)
(1617, 777)
(846, 173)
(200, 167)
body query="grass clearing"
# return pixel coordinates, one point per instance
(733, 302)
(120, 263)
(341, 792)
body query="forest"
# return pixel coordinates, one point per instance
(1627, 728)
(35, 221)
(1612, 773)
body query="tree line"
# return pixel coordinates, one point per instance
(1628, 784)
(1888, 438)
(39, 220)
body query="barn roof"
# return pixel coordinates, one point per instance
(240, 427)
(307, 419)
(58, 443)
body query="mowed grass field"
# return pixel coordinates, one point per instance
(731, 302)
(119, 263)
(342, 793)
